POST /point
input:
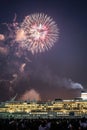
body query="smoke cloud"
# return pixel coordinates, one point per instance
(20, 36)
(3, 50)
(30, 95)
(68, 83)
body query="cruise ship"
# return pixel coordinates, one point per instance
(45, 109)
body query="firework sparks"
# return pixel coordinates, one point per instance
(2, 37)
(15, 76)
(37, 33)
(22, 67)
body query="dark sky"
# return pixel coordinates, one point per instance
(52, 73)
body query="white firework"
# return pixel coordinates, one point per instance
(37, 33)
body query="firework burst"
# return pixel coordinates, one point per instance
(37, 33)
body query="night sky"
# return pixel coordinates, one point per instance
(60, 72)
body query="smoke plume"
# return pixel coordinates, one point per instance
(3, 50)
(30, 95)
(47, 76)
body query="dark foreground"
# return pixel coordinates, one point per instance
(40, 124)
